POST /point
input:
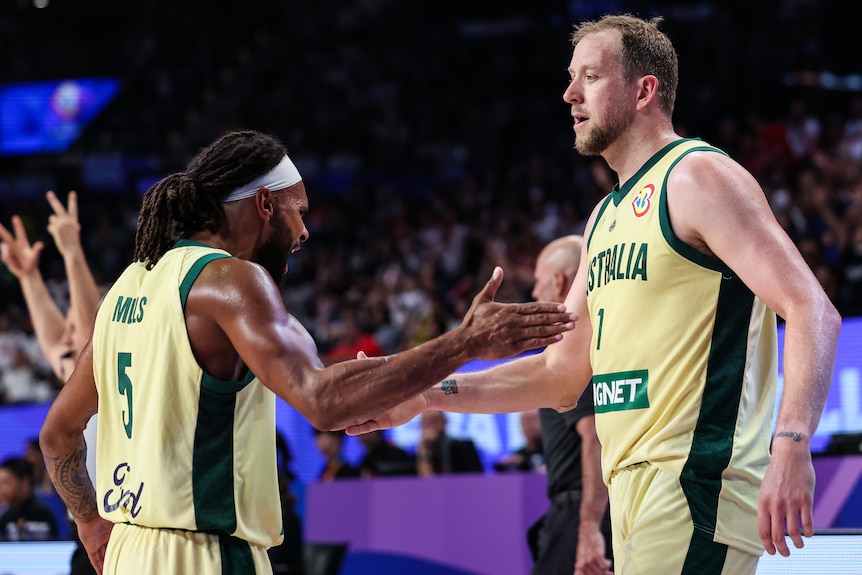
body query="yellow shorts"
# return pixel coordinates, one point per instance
(133, 550)
(653, 532)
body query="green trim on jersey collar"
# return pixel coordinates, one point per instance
(190, 243)
(618, 193)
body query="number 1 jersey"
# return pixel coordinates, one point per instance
(684, 356)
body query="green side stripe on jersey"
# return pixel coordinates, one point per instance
(212, 460)
(236, 556)
(704, 557)
(712, 443)
(212, 463)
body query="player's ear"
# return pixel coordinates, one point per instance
(560, 285)
(264, 201)
(648, 88)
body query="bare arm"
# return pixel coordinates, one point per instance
(22, 259)
(83, 291)
(554, 378)
(248, 310)
(65, 452)
(718, 207)
(594, 502)
(62, 439)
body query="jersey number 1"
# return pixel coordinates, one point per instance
(124, 386)
(601, 324)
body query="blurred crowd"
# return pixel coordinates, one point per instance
(433, 141)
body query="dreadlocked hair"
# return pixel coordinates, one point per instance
(191, 201)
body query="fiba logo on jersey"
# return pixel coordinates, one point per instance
(641, 204)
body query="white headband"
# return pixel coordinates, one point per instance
(282, 176)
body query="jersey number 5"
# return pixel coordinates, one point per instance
(124, 386)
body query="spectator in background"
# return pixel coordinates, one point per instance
(44, 491)
(27, 518)
(12, 341)
(383, 458)
(531, 457)
(801, 131)
(439, 453)
(353, 338)
(853, 270)
(20, 383)
(41, 481)
(329, 444)
(61, 338)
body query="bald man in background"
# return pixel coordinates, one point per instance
(576, 527)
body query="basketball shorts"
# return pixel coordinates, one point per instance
(653, 531)
(133, 550)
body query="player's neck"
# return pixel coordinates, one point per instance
(218, 241)
(628, 154)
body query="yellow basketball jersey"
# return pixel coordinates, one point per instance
(684, 357)
(176, 447)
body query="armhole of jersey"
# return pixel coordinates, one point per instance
(193, 274)
(608, 199)
(208, 381)
(224, 386)
(675, 243)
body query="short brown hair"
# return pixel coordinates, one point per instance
(644, 50)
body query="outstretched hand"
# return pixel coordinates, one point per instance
(502, 330)
(15, 250)
(63, 225)
(489, 330)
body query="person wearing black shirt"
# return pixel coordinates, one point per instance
(576, 525)
(27, 518)
(383, 458)
(438, 453)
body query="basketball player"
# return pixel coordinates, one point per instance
(190, 348)
(678, 290)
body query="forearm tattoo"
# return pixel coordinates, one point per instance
(69, 474)
(449, 387)
(794, 435)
